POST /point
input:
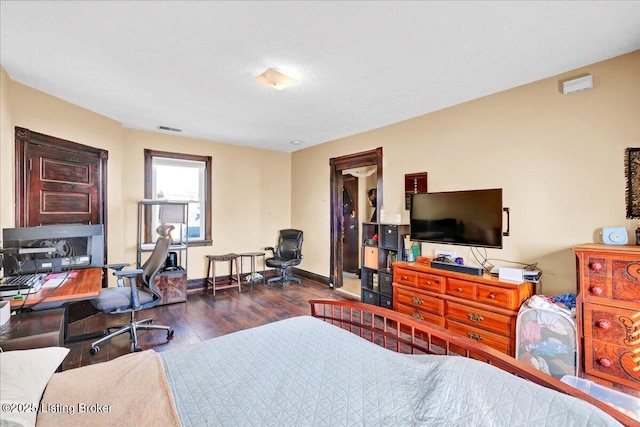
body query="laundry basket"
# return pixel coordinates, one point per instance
(546, 337)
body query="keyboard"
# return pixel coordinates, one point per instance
(23, 284)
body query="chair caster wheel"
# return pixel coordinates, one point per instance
(170, 334)
(135, 348)
(94, 350)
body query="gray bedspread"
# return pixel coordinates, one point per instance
(305, 372)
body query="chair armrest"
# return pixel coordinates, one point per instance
(128, 273)
(117, 267)
(272, 249)
(132, 275)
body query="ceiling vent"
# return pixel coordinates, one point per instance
(170, 129)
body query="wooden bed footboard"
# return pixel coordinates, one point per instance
(404, 334)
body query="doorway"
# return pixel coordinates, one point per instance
(341, 169)
(358, 208)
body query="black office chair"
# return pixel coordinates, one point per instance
(287, 254)
(141, 293)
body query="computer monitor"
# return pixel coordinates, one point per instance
(52, 248)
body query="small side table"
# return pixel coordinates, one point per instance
(36, 329)
(253, 272)
(224, 283)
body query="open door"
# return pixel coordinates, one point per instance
(337, 180)
(350, 214)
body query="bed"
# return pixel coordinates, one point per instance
(346, 364)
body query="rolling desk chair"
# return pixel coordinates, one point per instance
(287, 254)
(141, 293)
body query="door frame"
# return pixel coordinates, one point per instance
(338, 164)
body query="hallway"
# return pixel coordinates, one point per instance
(350, 286)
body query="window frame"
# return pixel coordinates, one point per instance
(148, 188)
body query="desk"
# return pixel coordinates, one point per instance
(85, 284)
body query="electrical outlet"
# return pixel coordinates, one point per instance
(450, 254)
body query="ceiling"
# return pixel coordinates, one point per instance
(361, 65)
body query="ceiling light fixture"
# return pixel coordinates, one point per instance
(275, 79)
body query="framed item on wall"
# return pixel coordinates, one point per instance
(414, 183)
(632, 174)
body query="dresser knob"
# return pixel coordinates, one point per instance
(416, 300)
(605, 362)
(459, 289)
(603, 324)
(596, 266)
(492, 296)
(428, 282)
(404, 277)
(596, 290)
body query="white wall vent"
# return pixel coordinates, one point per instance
(170, 129)
(577, 85)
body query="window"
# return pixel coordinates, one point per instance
(181, 177)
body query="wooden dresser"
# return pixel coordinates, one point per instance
(608, 315)
(479, 307)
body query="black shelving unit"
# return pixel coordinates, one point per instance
(382, 244)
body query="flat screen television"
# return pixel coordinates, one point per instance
(471, 218)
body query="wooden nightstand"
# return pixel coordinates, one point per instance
(33, 330)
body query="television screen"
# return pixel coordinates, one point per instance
(472, 218)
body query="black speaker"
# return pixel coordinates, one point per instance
(172, 261)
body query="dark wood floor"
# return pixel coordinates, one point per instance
(200, 318)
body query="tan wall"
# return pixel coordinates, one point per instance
(558, 158)
(249, 203)
(6, 151)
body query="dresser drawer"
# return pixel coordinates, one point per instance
(480, 318)
(612, 362)
(498, 342)
(610, 278)
(420, 302)
(461, 289)
(612, 325)
(420, 314)
(431, 283)
(497, 296)
(406, 277)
